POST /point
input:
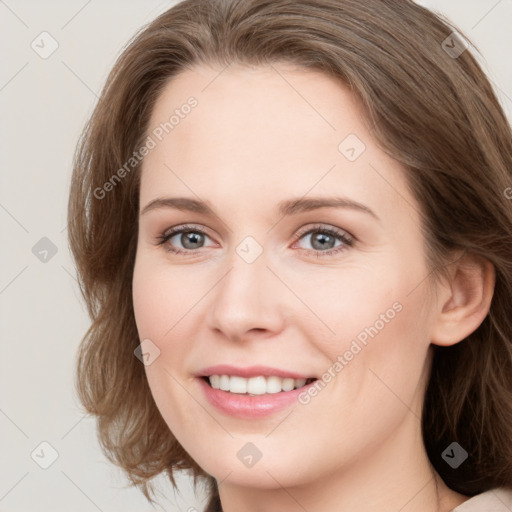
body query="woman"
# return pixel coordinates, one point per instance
(293, 234)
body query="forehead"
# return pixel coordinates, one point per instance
(272, 108)
(275, 131)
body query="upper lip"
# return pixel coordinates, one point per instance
(250, 371)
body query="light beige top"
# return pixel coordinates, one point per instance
(495, 500)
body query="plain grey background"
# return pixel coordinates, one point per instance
(45, 101)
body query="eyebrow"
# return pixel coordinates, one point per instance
(285, 208)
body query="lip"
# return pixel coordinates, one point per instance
(251, 371)
(249, 406)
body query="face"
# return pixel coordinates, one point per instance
(295, 252)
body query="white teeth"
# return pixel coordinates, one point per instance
(237, 385)
(223, 383)
(215, 381)
(287, 384)
(255, 385)
(274, 384)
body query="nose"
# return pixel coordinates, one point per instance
(248, 301)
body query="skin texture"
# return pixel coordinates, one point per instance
(259, 136)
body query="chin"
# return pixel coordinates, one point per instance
(269, 472)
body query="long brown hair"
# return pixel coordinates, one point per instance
(431, 110)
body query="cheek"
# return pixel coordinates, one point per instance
(165, 302)
(160, 298)
(376, 324)
(158, 307)
(346, 303)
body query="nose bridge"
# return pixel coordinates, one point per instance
(245, 298)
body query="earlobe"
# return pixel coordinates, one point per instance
(465, 301)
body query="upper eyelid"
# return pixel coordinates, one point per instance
(323, 227)
(185, 227)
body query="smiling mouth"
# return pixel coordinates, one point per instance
(252, 386)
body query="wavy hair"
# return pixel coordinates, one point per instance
(432, 111)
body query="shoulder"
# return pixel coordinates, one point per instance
(495, 500)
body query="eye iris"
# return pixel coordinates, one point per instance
(194, 238)
(325, 241)
(319, 240)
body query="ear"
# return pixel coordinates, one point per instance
(464, 301)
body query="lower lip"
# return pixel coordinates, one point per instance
(247, 406)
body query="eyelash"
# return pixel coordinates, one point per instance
(347, 240)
